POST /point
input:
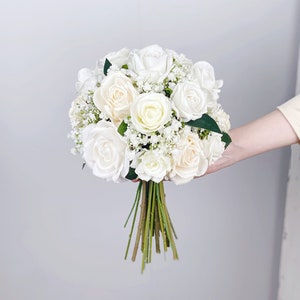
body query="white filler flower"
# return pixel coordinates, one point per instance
(104, 151)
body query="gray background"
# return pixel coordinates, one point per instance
(61, 229)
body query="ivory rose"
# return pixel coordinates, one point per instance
(87, 80)
(115, 96)
(203, 73)
(190, 101)
(189, 159)
(152, 63)
(119, 58)
(152, 165)
(104, 151)
(150, 112)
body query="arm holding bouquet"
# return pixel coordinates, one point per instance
(277, 129)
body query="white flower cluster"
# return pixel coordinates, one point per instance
(133, 114)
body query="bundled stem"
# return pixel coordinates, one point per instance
(154, 221)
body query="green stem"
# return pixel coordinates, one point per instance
(135, 207)
(166, 220)
(136, 199)
(146, 230)
(152, 195)
(161, 221)
(154, 219)
(157, 228)
(141, 221)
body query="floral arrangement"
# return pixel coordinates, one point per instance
(149, 115)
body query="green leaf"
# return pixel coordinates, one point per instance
(131, 174)
(168, 91)
(226, 139)
(125, 67)
(205, 122)
(122, 128)
(107, 65)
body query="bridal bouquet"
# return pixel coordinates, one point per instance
(149, 115)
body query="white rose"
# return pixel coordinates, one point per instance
(104, 151)
(150, 112)
(222, 118)
(115, 96)
(152, 63)
(87, 80)
(152, 165)
(213, 147)
(189, 100)
(204, 74)
(189, 159)
(119, 58)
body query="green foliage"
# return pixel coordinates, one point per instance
(107, 65)
(205, 122)
(168, 91)
(208, 123)
(122, 128)
(131, 174)
(226, 139)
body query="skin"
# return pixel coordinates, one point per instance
(269, 132)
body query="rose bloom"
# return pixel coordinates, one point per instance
(87, 80)
(189, 159)
(190, 101)
(213, 147)
(204, 74)
(152, 165)
(115, 96)
(119, 58)
(150, 112)
(104, 151)
(152, 63)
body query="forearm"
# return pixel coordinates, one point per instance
(270, 132)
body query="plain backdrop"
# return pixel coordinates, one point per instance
(61, 228)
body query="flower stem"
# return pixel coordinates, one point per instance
(151, 222)
(166, 220)
(157, 229)
(136, 199)
(161, 220)
(135, 207)
(154, 220)
(141, 221)
(147, 236)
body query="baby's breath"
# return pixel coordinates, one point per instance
(82, 113)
